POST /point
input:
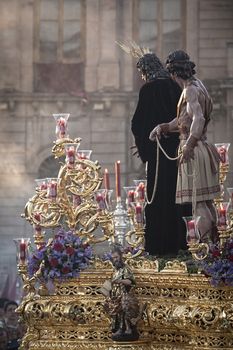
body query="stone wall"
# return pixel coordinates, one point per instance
(102, 119)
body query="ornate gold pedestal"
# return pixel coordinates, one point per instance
(183, 312)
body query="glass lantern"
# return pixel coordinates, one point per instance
(84, 154)
(140, 190)
(61, 125)
(71, 154)
(52, 188)
(222, 149)
(22, 245)
(41, 184)
(100, 197)
(222, 212)
(192, 232)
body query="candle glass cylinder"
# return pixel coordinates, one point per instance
(100, 197)
(222, 212)
(130, 195)
(84, 154)
(61, 125)
(22, 245)
(109, 199)
(138, 208)
(41, 184)
(222, 149)
(71, 154)
(52, 189)
(140, 190)
(192, 232)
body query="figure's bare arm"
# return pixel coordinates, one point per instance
(194, 110)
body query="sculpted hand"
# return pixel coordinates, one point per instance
(188, 149)
(158, 130)
(187, 154)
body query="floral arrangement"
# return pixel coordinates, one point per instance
(63, 257)
(219, 264)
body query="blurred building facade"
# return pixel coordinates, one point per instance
(60, 56)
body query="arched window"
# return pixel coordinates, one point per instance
(59, 45)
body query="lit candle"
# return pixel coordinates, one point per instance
(118, 179)
(191, 228)
(101, 202)
(222, 220)
(106, 179)
(52, 190)
(62, 127)
(141, 191)
(22, 250)
(70, 156)
(82, 156)
(138, 213)
(43, 186)
(130, 196)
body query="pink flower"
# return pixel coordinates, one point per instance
(216, 253)
(53, 262)
(58, 247)
(65, 269)
(69, 250)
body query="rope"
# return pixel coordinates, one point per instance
(157, 170)
(194, 192)
(156, 178)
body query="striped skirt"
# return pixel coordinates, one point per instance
(200, 175)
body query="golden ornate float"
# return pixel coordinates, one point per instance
(182, 311)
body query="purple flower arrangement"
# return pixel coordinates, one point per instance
(64, 257)
(219, 264)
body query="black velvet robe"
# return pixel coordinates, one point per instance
(165, 232)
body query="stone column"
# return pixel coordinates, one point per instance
(192, 29)
(9, 43)
(92, 43)
(108, 69)
(26, 30)
(125, 32)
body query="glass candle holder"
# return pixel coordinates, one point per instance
(222, 212)
(130, 195)
(108, 197)
(222, 149)
(61, 125)
(41, 184)
(100, 197)
(140, 190)
(52, 188)
(71, 154)
(192, 232)
(84, 154)
(138, 209)
(22, 245)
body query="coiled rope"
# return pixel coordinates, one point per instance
(157, 172)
